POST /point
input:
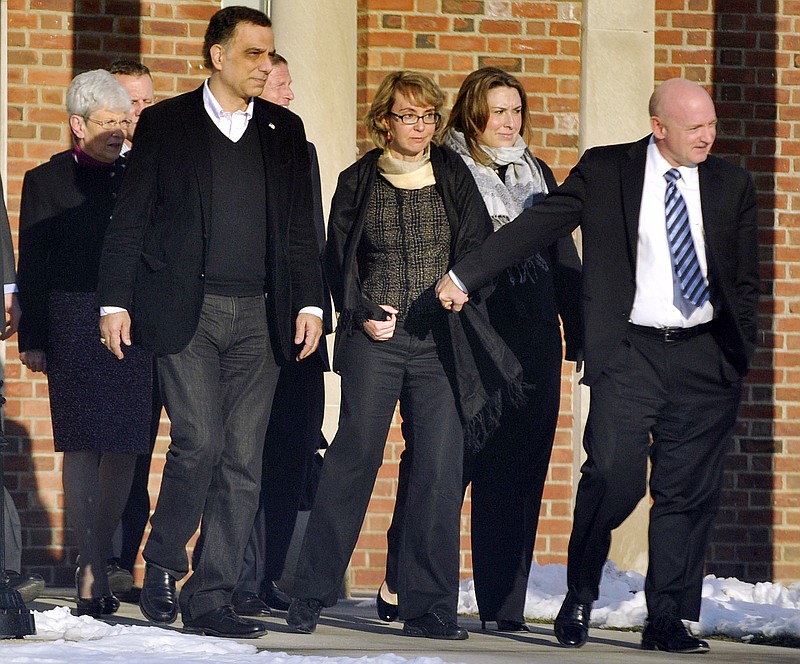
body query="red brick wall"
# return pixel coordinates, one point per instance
(745, 52)
(742, 51)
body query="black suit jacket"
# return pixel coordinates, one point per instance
(603, 195)
(153, 260)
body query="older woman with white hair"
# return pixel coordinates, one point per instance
(100, 406)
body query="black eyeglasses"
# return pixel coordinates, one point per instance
(111, 125)
(413, 118)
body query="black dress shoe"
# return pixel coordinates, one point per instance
(435, 625)
(90, 607)
(120, 580)
(275, 598)
(249, 604)
(29, 586)
(509, 626)
(110, 604)
(668, 633)
(303, 615)
(572, 622)
(158, 600)
(224, 622)
(386, 610)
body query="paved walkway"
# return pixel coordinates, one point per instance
(349, 629)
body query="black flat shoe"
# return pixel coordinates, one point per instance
(158, 600)
(435, 625)
(387, 611)
(572, 622)
(225, 623)
(275, 598)
(303, 615)
(508, 626)
(90, 607)
(668, 633)
(110, 605)
(249, 604)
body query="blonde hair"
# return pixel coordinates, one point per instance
(417, 87)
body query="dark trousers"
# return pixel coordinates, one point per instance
(137, 509)
(374, 376)
(217, 392)
(293, 436)
(507, 478)
(677, 395)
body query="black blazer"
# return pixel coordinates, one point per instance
(603, 195)
(153, 260)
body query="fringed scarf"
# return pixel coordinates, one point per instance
(505, 199)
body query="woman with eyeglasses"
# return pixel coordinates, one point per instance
(99, 406)
(400, 216)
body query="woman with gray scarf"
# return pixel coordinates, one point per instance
(488, 127)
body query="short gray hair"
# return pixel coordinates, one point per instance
(95, 90)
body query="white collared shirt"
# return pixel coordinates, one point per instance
(233, 125)
(657, 289)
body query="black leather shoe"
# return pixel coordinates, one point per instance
(158, 600)
(90, 607)
(668, 633)
(435, 625)
(249, 604)
(120, 580)
(572, 622)
(110, 605)
(510, 626)
(29, 586)
(224, 622)
(303, 615)
(275, 598)
(387, 611)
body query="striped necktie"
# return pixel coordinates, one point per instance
(681, 246)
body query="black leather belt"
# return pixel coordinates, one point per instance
(671, 334)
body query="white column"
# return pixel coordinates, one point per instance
(617, 65)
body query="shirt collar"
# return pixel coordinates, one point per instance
(215, 111)
(657, 165)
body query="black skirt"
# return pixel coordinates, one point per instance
(97, 402)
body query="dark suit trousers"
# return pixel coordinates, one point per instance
(374, 376)
(507, 479)
(293, 437)
(217, 392)
(137, 509)
(678, 393)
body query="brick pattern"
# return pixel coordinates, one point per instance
(740, 49)
(745, 52)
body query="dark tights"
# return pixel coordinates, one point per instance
(96, 488)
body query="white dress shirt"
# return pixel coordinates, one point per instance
(658, 302)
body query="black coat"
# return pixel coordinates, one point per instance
(153, 261)
(603, 195)
(486, 371)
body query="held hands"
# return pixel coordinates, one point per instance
(450, 295)
(115, 330)
(308, 331)
(382, 330)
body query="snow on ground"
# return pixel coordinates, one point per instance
(730, 607)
